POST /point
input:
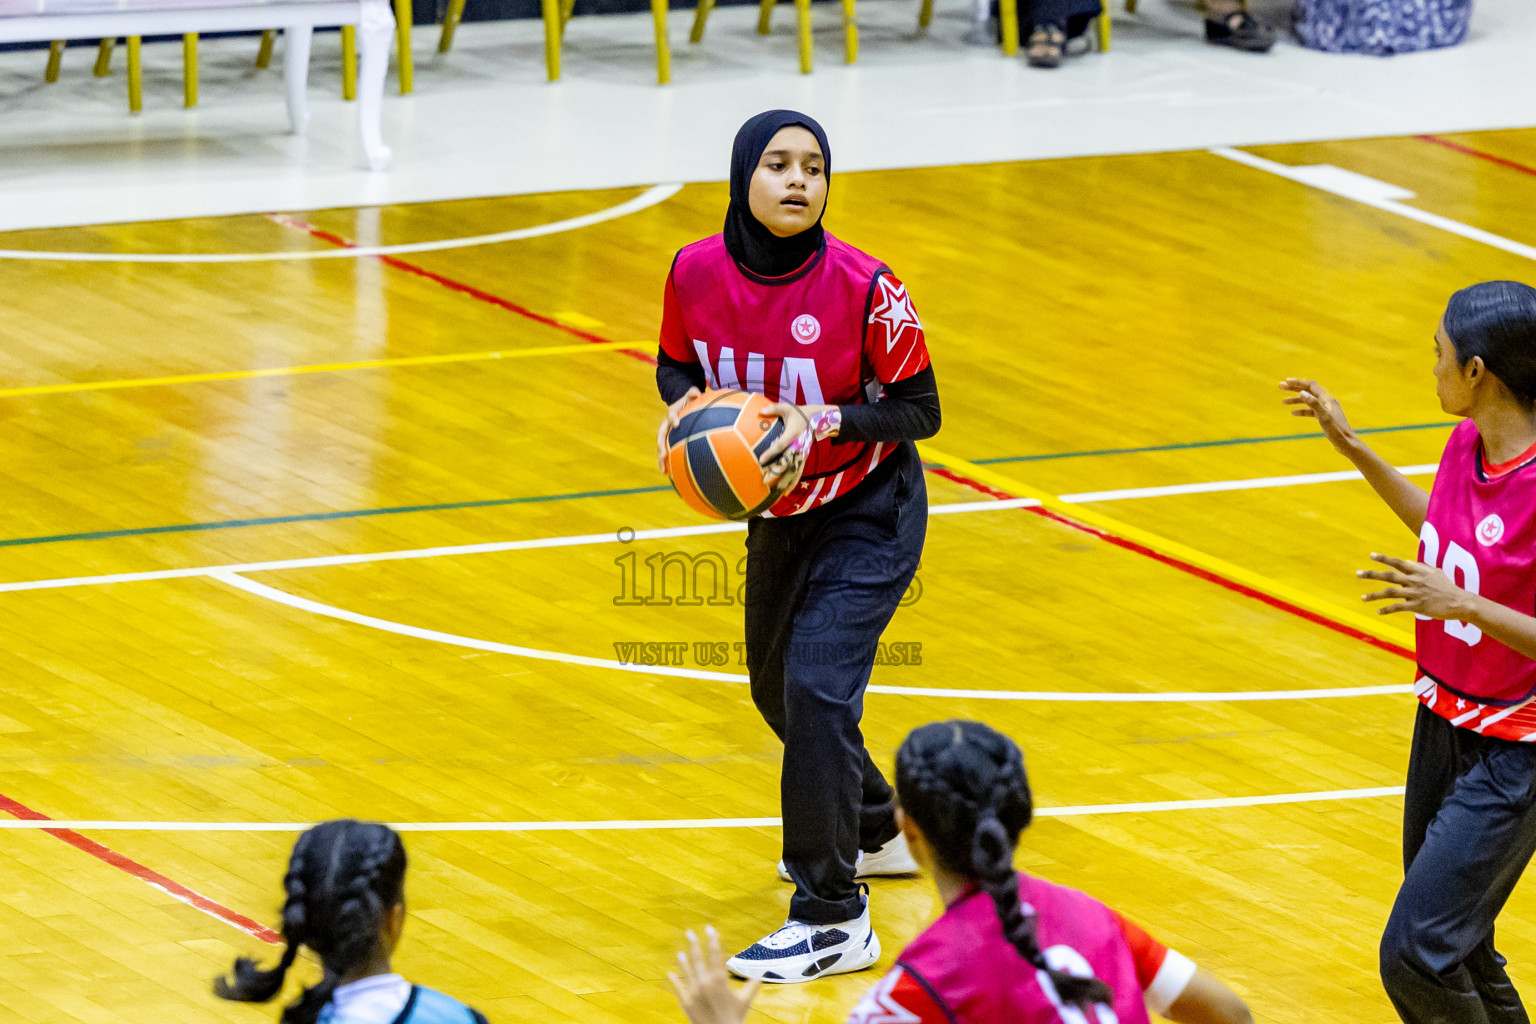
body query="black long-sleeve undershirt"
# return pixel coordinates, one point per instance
(908, 412)
(674, 377)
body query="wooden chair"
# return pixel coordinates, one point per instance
(556, 14)
(1008, 16)
(803, 26)
(105, 48)
(348, 58)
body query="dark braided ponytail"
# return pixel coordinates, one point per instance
(343, 879)
(964, 785)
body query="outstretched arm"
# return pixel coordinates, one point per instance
(1403, 496)
(1205, 1000)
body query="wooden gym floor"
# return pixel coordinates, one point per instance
(1097, 325)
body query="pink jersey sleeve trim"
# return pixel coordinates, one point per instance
(1172, 979)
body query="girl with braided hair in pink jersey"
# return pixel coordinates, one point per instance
(1469, 814)
(1009, 948)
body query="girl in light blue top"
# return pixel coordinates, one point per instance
(346, 902)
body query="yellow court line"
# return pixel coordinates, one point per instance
(1370, 625)
(362, 364)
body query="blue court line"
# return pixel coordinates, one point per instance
(359, 513)
(1201, 444)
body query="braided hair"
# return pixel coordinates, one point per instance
(344, 877)
(963, 784)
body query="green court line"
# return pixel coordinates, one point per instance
(1200, 444)
(312, 517)
(359, 513)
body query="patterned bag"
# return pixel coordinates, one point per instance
(1381, 27)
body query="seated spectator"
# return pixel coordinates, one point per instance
(1009, 948)
(1227, 23)
(1381, 27)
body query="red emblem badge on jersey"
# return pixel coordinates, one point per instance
(806, 328)
(1490, 530)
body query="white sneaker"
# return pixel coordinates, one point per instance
(799, 951)
(891, 859)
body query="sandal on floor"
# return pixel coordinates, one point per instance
(1241, 31)
(1046, 44)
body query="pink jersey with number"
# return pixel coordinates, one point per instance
(961, 970)
(831, 333)
(1481, 531)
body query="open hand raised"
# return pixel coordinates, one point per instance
(1311, 399)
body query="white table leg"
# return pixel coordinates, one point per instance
(296, 39)
(375, 30)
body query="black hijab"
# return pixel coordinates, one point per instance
(747, 239)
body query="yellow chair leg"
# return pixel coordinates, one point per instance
(567, 8)
(803, 10)
(850, 33)
(349, 62)
(264, 54)
(451, 20)
(551, 10)
(765, 17)
(55, 58)
(1009, 10)
(663, 44)
(135, 77)
(104, 58)
(403, 45)
(189, 70)
(925, 15)
(699, 17)
(1103, 20)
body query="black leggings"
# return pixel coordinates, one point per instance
(821, 587)
(1469, 829)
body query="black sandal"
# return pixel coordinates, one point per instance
(1241, 31)
(1046, 44)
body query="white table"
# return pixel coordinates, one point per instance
(46, 20)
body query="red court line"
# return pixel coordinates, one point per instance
(149, 876)
(1182, 566)
(457, 286)
(1513, 165)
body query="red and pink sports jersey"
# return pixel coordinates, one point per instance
(961, 970)
(831, 333)
(1481, 532)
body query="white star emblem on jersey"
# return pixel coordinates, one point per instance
(894, 309)
(879, 1006)
(1460, 703)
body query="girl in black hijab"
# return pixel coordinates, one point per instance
(777, 306)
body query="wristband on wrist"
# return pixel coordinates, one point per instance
(826, 423)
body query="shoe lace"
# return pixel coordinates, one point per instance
(791, 934)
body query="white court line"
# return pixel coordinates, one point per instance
(650, 197)
(321, 561)
(455, 640)
(640, 825)
(324, 561)
(1375, 193)
(1256, 483)
(982, 506)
